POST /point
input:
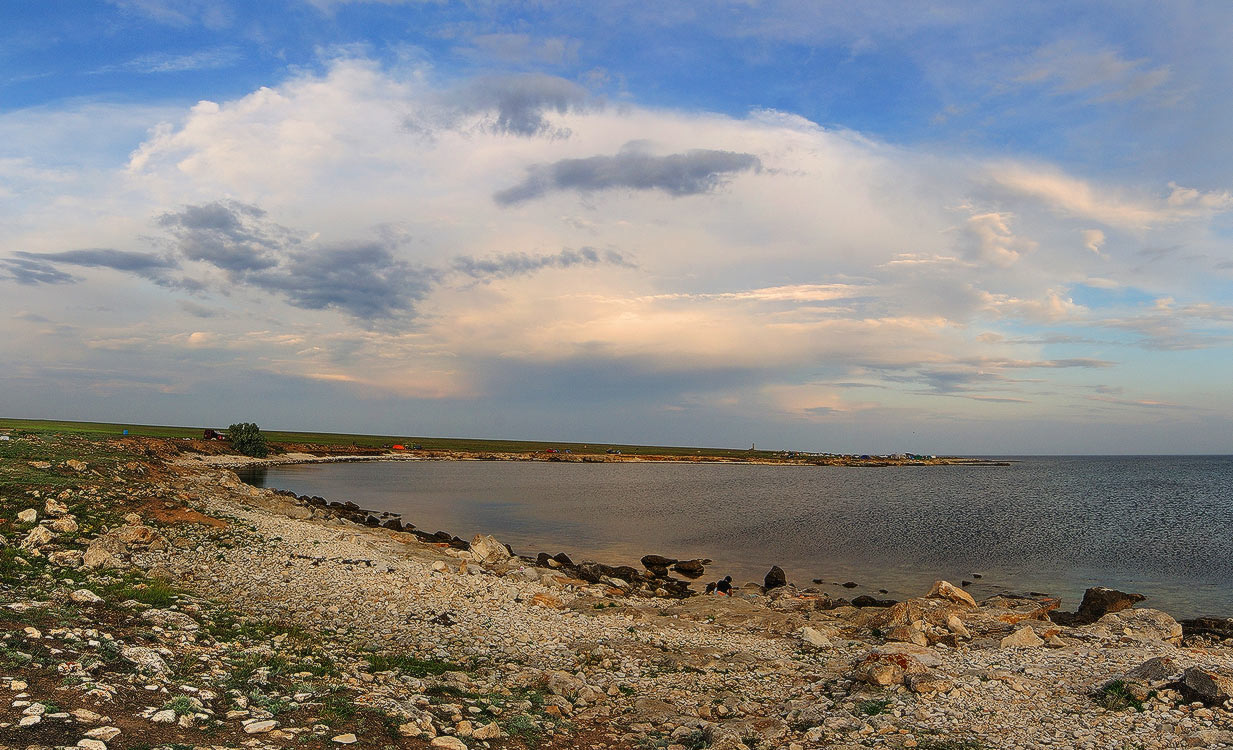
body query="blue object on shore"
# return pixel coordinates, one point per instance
(126, 432)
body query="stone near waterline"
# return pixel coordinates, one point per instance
(563, 559)
(38, 537)
(486, 549)
(65, 525)
(950, 592)
(815, 638)
(849, 584)
(1207, 685)
(1099, 601)
(865, 600)
(85, 596)
(690, 568)
(775, 578)
(657, 561)
(1024, 637)
(29, 515)
(1148, 625)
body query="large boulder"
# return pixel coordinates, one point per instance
(950, 592)
(775, 578)
(486, 549)
(1145, 625)
(39, 536)
(891, 664)
(1207, 685)
(1024, 637)
(1099, 601)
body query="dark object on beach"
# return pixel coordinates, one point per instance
(850, 585)
(977, 575)
(393, 523)
(691, 568)
(817, 580)
(775, 578)
(1099, 601)
(883, 591)
(865, 600)
(724, 586)
(563, 558)
(541, 560)
(965, 583)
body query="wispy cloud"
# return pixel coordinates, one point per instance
(210, 59)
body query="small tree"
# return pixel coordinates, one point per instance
(246, 438)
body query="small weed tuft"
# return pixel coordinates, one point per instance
(873, 707)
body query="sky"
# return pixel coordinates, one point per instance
(996, 228)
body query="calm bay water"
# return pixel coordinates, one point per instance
(1160, 526)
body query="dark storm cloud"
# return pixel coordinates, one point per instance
(365, 281)
(690, 173)
(521, 101)
(229, 235)
(517, 264)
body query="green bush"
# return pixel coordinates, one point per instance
(246, 438)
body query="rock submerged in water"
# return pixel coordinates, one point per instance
(691, 568)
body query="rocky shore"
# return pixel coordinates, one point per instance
(148, 601)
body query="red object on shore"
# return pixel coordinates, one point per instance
(400, 447)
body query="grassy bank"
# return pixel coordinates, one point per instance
(378, 441)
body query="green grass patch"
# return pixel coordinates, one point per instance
(873, 707)
(410, 665)
(1117, 696)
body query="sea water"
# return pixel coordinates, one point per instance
(1157, 525)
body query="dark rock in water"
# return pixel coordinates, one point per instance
(965, 584)
(977, 576)
(657, 561)
(868, 601)
(594, 572)
(372, 521)
(817, 580)
(690, 568)
(775, 578)
(393, 523)
(1099, 601)
(563, 558)
(444, 536)
(542, 559)
(350, 505)
(883, 591)
(1213, 627)
(850, 585)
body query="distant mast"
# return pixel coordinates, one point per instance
(753, 447)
